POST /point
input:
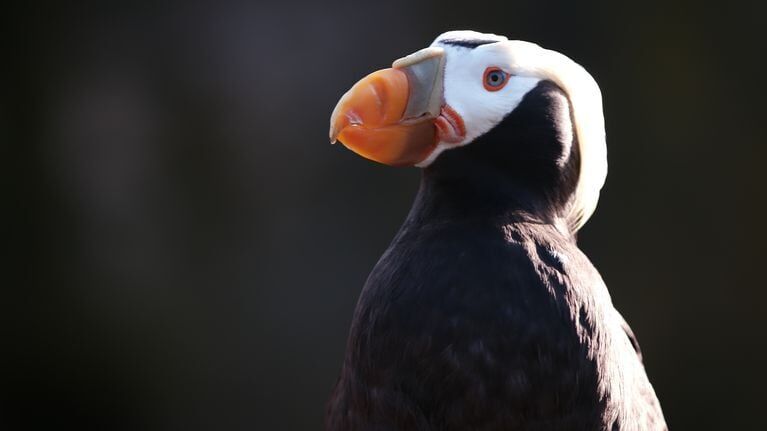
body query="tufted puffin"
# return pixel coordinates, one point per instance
(483, 314)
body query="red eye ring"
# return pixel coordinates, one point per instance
(494, 78)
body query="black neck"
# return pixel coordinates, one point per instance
(520, 170)
(491, 197)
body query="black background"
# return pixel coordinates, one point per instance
(186, 248)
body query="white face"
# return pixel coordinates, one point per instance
(471, 92)
(523, 64)
(479, 84)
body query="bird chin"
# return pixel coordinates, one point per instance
(451, 133)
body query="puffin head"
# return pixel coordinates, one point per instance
(483, 111)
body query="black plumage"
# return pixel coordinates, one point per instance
(483, 314)
(467, 43)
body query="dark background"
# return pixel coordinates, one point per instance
(185, 248)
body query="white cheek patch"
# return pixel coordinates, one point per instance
(480, 109)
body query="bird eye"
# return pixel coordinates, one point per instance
(495, 78)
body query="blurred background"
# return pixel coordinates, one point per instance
(185, 248)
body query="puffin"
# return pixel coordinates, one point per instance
(483, 313)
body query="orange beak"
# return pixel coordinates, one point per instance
(389, 116)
